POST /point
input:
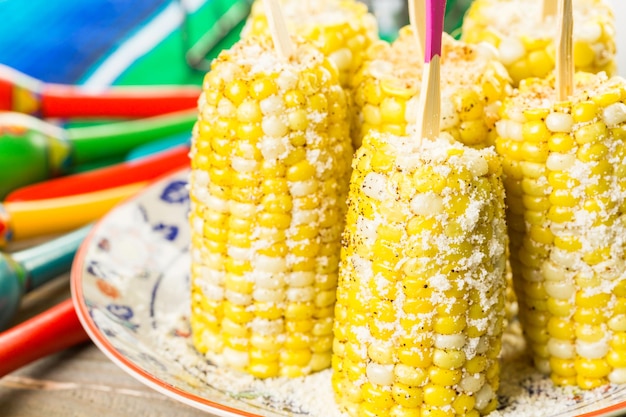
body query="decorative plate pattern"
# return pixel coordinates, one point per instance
(130, 285)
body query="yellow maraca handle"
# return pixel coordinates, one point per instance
(29, 219)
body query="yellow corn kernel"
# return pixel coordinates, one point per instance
(406, 395)
(449, 324)
(560, 142)
(585, 111)
(536, 203)
(560, 197)
(444, 377)
(561, 329)
(568, 243)
(559, 380)
(464, 405)
(618, 341)
(541, 63)
(561, 180)
(607, 98)
(410, 375)
(377, 394)
(563, 367)
(592, 152)
(589, 315)
(236, 91)
(559, 214)
(392, 110)
(592, 368)
(371, 409)
(438, 396)
(263, 369)
(473, 132)
(448, 359)
(519, 70)
(591, 133)
(468, 105)
(560, 308)
(535, 151)
(535, 131)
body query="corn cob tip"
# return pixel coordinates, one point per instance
(341, 29)
(387, 89)
(525, 41)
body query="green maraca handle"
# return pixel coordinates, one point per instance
(49, 260)
(32, 150)
(97, 142)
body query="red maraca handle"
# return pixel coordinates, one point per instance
(123, 173)
(24, 94)
(53, 330)
(136, 102)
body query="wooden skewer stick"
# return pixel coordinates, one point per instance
(430, 94)
(549, 8)
(280, 35)
(417, 17)
(565, 51)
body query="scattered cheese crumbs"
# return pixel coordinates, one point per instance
(523, 391)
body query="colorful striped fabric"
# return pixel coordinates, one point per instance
(60, 41)
(102, 42)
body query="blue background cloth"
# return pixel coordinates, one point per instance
(59, 41)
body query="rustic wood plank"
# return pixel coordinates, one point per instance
(82, 382)
(78, 382)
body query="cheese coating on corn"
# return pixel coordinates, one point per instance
(420, 299)
(565, 179)
(386, 89)
(526, 44)
(341, 29)
(270, 162)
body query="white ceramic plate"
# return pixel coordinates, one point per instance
(130, 286)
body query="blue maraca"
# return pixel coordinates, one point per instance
(28, 269)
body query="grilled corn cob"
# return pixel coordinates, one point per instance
(270, 159)
(525, 43)
(341, 29)
(386, 89)
(420, 299)
(565, 182)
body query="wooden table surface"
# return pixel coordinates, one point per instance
(80, 381)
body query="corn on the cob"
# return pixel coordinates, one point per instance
(386, 89)
(525, 42)
(271, 158)
(420, 299)
(341, 29)
(565, 182)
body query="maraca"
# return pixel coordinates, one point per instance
(48, 332)
(28, 269)
(32, 150)
(65, 203)
(142, 168)
(24, 94)
(28, 219)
